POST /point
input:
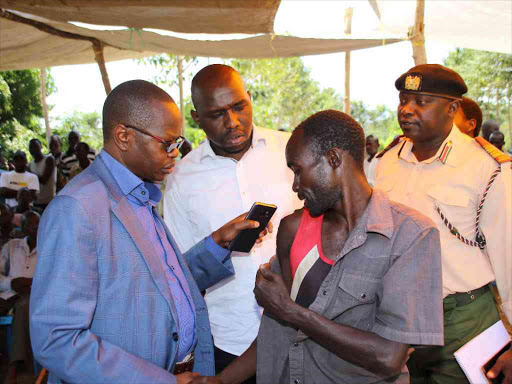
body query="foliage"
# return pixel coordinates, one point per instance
(88, 124)
(380, 121)
(283, 92)
(20, 108)
(167, 66)
(488, 76)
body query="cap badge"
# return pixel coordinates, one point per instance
(412, 83)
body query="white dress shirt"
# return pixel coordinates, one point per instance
(457, 186)
(370, 169)
(203, 193)
(16, 260)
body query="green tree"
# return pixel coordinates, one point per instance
(380, 121)
(488, 76)
(88, 124)
(283, 92)
(20, 108)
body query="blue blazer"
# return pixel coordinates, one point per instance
(101, 310)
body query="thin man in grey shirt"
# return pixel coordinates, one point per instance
(358, 282)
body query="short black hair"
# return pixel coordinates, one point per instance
(328, 129)
(83, 144)
(55, 137)
(471, 111)
(129, 103)
(372, 137)
(25, 216)
(19, 154)
(35, 140)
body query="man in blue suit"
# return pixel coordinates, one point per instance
(113, 299)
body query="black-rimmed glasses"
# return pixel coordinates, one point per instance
(170, 145)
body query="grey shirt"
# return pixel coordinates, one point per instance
(386, 280)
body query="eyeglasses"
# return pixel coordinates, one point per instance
(170, 145)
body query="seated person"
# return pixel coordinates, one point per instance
(345, 300)
(17, 264)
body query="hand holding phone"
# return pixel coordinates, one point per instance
(245, 240)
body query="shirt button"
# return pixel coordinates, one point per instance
(296, 381)
(295, 344)
(363, 295)
(324, 292)
(175, 336)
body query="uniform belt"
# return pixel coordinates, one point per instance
(464, 298)
(185, 366)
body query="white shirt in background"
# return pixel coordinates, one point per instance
(16, 260)
(16, 181)
(203, 193)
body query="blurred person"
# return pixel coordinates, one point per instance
(44, 167)
(82, 155)
(469, 117)
(237, 165)
(17, 265)
(463, 185)
(70, 159)
(345, 297)
(114, 299)
(497, 139)
(6, 224)
(11, 182)
(489, 127)
(56, 151)
(186, 148)
(370, 162)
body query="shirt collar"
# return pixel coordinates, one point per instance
(207, 151)
(26, 246)
(377, 216)
(129, 183)
(448, 153)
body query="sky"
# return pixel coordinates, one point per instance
(373, 71)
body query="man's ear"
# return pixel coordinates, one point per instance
(195, 116)
(121, 137)
(334, 157)
(453, 108)
(472, 125)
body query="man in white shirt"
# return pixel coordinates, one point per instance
(238, 164)
(464, 186)
(11, 182)
(17, 264)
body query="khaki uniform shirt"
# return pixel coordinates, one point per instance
(456, 186)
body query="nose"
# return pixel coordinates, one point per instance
(295, 185)
(405, 109)
(174, 153)
(231, 119)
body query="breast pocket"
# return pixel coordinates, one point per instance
(457, 204)
(356, 298)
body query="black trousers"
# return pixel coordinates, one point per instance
(223, 359)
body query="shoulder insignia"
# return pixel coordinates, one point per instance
(494, 152)
(394, 143)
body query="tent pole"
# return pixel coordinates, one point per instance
(43, 78)
(97, 47)
(417, 36)
(182, 102)
(348, 30)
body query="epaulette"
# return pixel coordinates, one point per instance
(391, 145)
(494, 152)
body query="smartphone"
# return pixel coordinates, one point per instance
(490, 364)
(245, 240)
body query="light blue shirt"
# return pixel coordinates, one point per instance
(144, 197)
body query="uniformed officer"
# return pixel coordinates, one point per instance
(464, 185)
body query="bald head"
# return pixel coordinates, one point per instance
(131, 103)
(211, 77)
